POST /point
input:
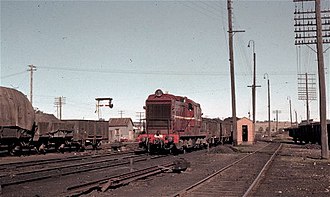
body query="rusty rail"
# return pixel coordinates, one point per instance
(21, 164)
(116, 181)
(40, 174)
(263, 170)
(186, 191)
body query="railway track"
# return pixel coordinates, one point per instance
(23, 164)
(239, 178)
(116, 181)
(63, 170)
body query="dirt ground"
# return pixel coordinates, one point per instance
(297, 171)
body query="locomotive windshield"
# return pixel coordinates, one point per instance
(158, 115)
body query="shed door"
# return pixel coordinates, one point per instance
(245, 133)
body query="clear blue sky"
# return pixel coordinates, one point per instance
(128, 49)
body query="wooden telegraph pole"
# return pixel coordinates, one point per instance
(31, 69)
(322, 91)
(59, 102)
(308, 29)
(254, 86)
(232, 71)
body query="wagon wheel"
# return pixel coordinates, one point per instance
(42, 149)
(15, 149)
(61, 148)
(82, 148)
(94, 145)
(148, 147)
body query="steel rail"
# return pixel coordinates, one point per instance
(67, 166)
(79, 169)
(12, 165)
(263, 171)
(116, 181)
(199, 183)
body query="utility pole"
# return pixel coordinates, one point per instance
(309, 26)
(121, 112)
(31, 69)
(307, 90)
(232, 71)
(140, 114)
(59, 102)
(268, 96)
(323, 100)
(307, 100)
(290, 111)
(276, 118)
(254, 86)
(296, 123)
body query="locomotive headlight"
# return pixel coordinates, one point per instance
(159, 93)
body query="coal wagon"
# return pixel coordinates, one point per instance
(52, 133)
(308, 132)
(89, 132)
(17, 120)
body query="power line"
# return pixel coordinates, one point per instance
(198, 10)
(133, 71)
(14, 74)
(137, 72)
(213, 7)
(203, 8)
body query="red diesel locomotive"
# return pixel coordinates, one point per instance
(173, 123)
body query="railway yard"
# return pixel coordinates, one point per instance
(267, 168)
(130, 56)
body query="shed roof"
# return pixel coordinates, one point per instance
(244, 118)
(115, 122)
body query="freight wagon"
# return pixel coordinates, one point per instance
(89, 132)
(308, 133)
(23, 128)
(17, 123)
